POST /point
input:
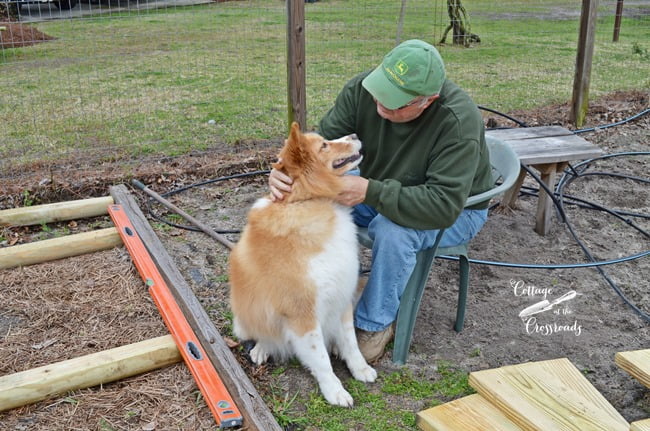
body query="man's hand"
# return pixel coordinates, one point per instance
(354, 190)
(279, 183)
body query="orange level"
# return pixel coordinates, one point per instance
(214, 391)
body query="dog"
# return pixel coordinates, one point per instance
(294, 271)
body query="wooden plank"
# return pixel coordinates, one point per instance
(548, 144)
(547, 395)
(637, 363)
(553, 149)
(102, 367)
(257, 415)
(470, 413)
(528, 132)
(642, 425)
(59, 248)
(60, 211)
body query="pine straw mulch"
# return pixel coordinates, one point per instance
(60, 310)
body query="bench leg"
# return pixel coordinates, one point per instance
(510, 197)
(548, 173)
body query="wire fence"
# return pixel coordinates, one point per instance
(97, 82)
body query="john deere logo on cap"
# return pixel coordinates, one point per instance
(401, 67)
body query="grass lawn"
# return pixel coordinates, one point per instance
(173, 80)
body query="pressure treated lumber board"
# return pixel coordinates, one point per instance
(102, 367)
(470, 413)
(256, 413)
(637, 363)
(60, 211)
(642, 425)
(59, 248)
(547, 396)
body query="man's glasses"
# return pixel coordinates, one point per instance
(415, 101)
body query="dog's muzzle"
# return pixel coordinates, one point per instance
(342, 162)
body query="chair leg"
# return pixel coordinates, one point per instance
(463, 286)
(409, 305)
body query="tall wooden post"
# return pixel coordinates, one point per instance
(581, 80)
(296, 93)
(617, 20)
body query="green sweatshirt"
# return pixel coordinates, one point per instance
(420, 173)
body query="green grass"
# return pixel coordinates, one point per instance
(150, 82)
(378, 406)
(138, 84)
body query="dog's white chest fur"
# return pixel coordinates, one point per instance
(335, 270)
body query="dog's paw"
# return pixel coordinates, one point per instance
(365, 374)
(259, 355)
(339, 397)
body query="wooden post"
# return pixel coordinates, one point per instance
(40, 383)
(581, 80)
(60, 211)
(296, 91)
(59, 248)
(617, 20)
(400, 23)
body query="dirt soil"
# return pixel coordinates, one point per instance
(588, 329)
(16, 35)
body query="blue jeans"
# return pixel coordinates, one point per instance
(393, 260)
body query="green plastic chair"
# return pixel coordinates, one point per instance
(505, 168)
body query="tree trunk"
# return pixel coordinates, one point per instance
(459, 22)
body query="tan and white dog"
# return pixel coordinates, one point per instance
(294, 271)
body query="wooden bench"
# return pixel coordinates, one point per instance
(548, 149)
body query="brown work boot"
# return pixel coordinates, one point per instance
(372, 344)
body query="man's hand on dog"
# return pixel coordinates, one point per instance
(279, 183)
(354, 190)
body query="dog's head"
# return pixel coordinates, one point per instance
(316, 164)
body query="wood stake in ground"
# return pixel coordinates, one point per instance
(102, 367)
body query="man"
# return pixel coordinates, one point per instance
(424, 154)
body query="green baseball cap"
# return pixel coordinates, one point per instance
(413, 68)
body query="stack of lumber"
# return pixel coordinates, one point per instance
(637, 363)
(544, 396)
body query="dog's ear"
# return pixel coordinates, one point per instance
(294, 133)
(293, 151)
